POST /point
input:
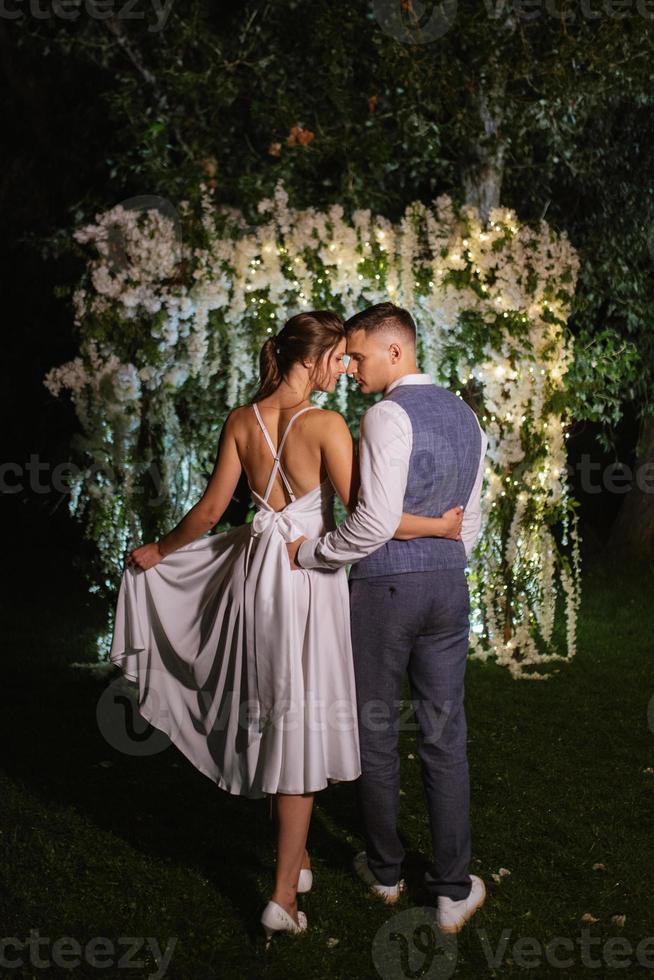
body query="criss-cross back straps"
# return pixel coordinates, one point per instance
(278, 452)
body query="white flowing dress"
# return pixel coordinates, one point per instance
(245, 663)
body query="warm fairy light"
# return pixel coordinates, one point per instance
(511, 377)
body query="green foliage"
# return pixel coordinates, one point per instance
(553, 100)
(605, 372)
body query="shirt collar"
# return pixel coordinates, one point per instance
(410, 379)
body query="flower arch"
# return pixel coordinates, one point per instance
(172, 313)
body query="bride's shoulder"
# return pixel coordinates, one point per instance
(236, 420)
(327, 416)
(241, 412)
(331, 427)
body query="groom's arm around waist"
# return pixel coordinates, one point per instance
(385, 444)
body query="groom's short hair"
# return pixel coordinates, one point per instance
(377, 318)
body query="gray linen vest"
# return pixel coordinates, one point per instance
(443, 467)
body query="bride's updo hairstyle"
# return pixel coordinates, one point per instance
(305, 335)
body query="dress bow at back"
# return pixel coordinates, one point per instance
(271, 586)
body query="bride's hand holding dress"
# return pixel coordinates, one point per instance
(144, 557)
(206, 513)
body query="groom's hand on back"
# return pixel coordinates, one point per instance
(292, 548)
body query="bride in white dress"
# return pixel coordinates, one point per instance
(244, 663)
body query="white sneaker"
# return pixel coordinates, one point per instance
(451, 916)
(390, 893)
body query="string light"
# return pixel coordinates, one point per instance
(527, 542)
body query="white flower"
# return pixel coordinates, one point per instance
(245, 280)
(127, 384)
(176, 376)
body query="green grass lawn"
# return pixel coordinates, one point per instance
(97, 843)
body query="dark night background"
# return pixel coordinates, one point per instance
(93, 112)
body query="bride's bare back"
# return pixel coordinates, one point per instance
(319, 447)
(301, 457)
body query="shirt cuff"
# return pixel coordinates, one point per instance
(306, 554)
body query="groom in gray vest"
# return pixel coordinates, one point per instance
(421, 451)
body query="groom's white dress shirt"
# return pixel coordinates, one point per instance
(386, 439)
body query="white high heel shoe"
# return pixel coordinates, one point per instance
(305, 881)
(274, 919)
